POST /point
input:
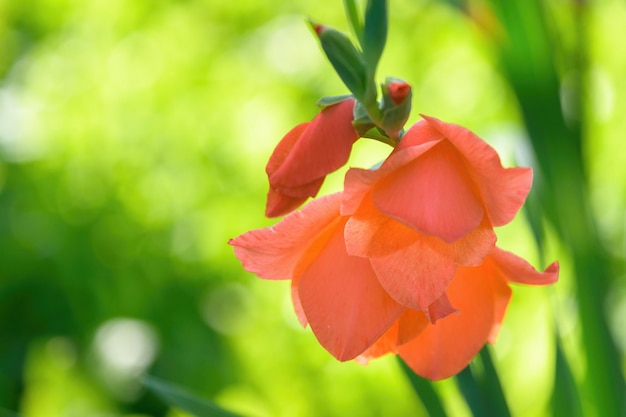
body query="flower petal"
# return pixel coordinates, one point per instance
(415, 276)
(370, 233)
(409, 324)
(503, 190)
(414, 268)
(515, 269)
(385, 344)
(445, 348)
(284, 147)
(364, 226)
(359, 182)
(285, 200)
(343, 301)
(471, 249)
(418, 134)
(324, 146)
(440, 308)
(297, 304)
(433, 194)
(274, 252)
(502, 296)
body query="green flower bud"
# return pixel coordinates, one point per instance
(345, 58)
(396, 106)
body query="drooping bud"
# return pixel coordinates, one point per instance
(306, 154)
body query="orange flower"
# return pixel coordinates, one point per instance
(428, 209)
(303, 158)
(352, 314)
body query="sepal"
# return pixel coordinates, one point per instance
(362, 121)
(328, 101)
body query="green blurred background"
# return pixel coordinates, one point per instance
(133, 140)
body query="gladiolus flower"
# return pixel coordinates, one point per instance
(352, 314)
(307, 153)
(430, 208)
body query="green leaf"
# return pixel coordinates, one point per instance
(471, 392)
(492, 389)
(324, 102)
(374, 33)
(532, 211)
(345, 58)
(352, 12)
(179, 398)
(565, 397)
(480, 385)
(528, 58)
(425, 391)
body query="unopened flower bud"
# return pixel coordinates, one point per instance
(345, 58)
(396, 106)
(398, 91)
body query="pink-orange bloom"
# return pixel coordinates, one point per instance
(429, 209)
(307, 153)
(352, 314)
